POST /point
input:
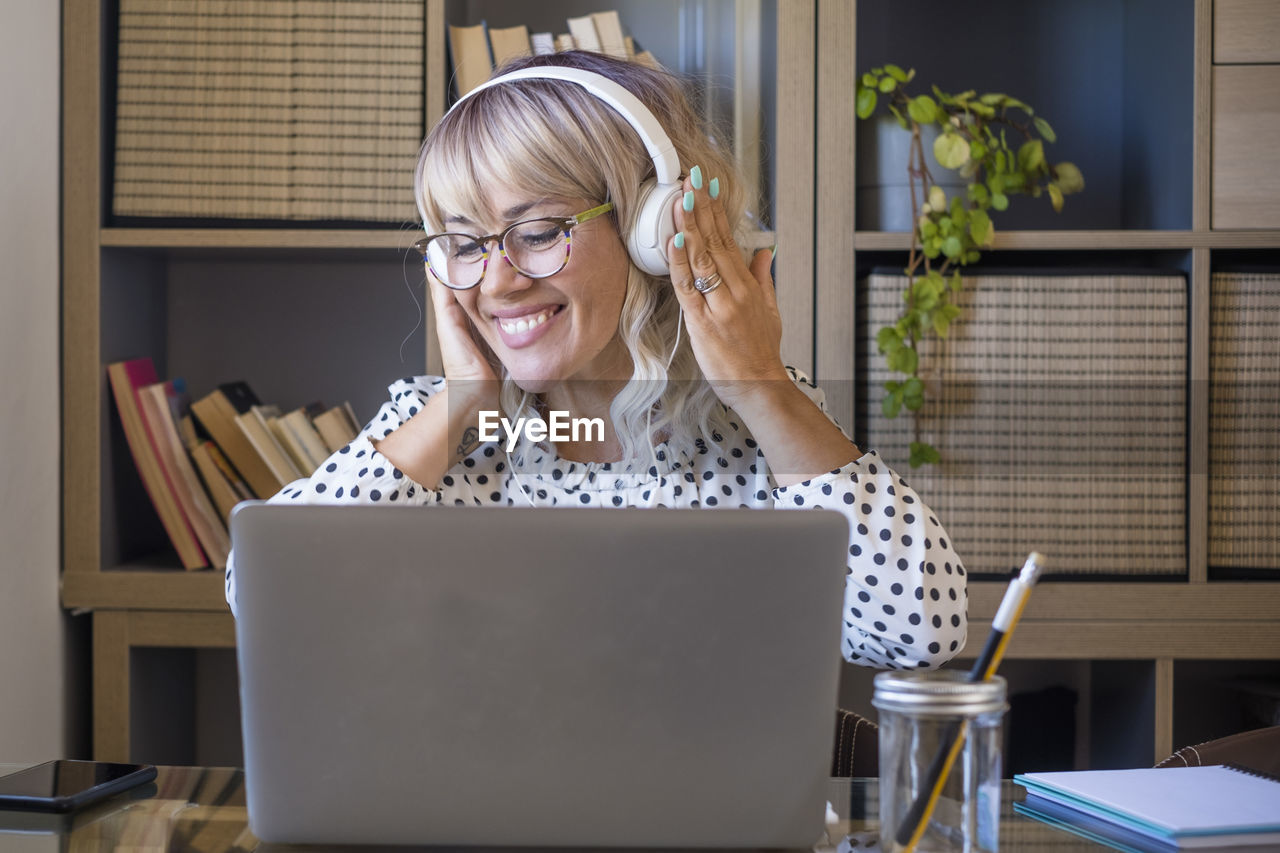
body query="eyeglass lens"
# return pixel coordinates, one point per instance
(537, 248)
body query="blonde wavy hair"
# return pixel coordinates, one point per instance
(553, 139)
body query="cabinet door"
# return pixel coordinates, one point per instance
(1246, 162)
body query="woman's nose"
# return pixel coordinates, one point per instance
(501, 278)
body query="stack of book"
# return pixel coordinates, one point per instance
(476, 50)
(197, 460)
(268, 110)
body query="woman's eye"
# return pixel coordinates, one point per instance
(540, 238)
(467, 251)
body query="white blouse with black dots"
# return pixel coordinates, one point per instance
(905, 594)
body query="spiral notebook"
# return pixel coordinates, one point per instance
(1172, 808)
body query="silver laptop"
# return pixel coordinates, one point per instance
(538, 677)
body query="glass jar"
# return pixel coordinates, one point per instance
(927, 721)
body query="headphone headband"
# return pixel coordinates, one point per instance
(652, 222)
(666, 163)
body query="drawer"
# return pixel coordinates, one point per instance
(1246, 31)
(1246, 159)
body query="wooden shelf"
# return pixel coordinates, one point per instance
(142, 589)
(258, 238)
(1089, 240)
(1086, 602)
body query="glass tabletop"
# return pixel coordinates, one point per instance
(202, 810)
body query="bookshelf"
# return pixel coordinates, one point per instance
(1159, 652)
(150, 287)
(215, 302)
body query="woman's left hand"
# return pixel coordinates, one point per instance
(734, 327)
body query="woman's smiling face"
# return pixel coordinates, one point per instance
(563, 327)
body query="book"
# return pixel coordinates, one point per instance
(469, 49)
(509, 43)
(542, 43)
(337, 427)
(217, 413)
(1175, 808)
(256, 428)
(564, 41)
(221, 489)
(154, 402)
(125, 377)
(583, 30)
(609, 30)
(298, 427)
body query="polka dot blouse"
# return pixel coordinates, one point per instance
(904, 587)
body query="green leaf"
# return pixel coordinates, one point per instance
(956, 284)
(1069, 178)
(993, 99)
(951, 247)
(869, 80)
(913, 387)
(903, 360)
(1031, 155)
(866, 102)
(902, 120)
(896, 73)
(978, 194)
(888, 339)
(923, 109)
(1055, 197)
(929, 229)
(924, 454)
(1045, 130)
(940, 324)
(888, 84)
(891, 405)
(892, 385)
(951, 150)
(983, 110)
(938, 199)
(980, 228)
(977, 150)
(1000, 201)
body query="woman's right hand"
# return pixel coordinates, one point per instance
(446, 429)
(463, 360)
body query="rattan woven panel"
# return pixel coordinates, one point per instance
(1058, 403)
(1244, 421)
(269, 109)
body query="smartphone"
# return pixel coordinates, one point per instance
(64, 786)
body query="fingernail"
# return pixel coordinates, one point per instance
(679, 239)
(695, 176)
(773, 253)
(688, 201)
(715, 187)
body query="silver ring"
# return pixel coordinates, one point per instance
(706, 284)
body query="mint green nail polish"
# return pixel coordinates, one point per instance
(688, 201)
(715, 187)
(773, 253)
(695, 176)
(679, 239)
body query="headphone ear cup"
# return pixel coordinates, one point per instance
(653, 227)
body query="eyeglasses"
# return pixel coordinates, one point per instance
(537, 248)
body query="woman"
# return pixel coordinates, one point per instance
(550, 316)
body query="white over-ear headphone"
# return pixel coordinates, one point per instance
(653, 224)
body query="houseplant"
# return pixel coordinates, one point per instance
(995, 143)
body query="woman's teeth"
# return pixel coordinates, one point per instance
(524, 324)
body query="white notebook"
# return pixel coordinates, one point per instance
(1177, 807)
